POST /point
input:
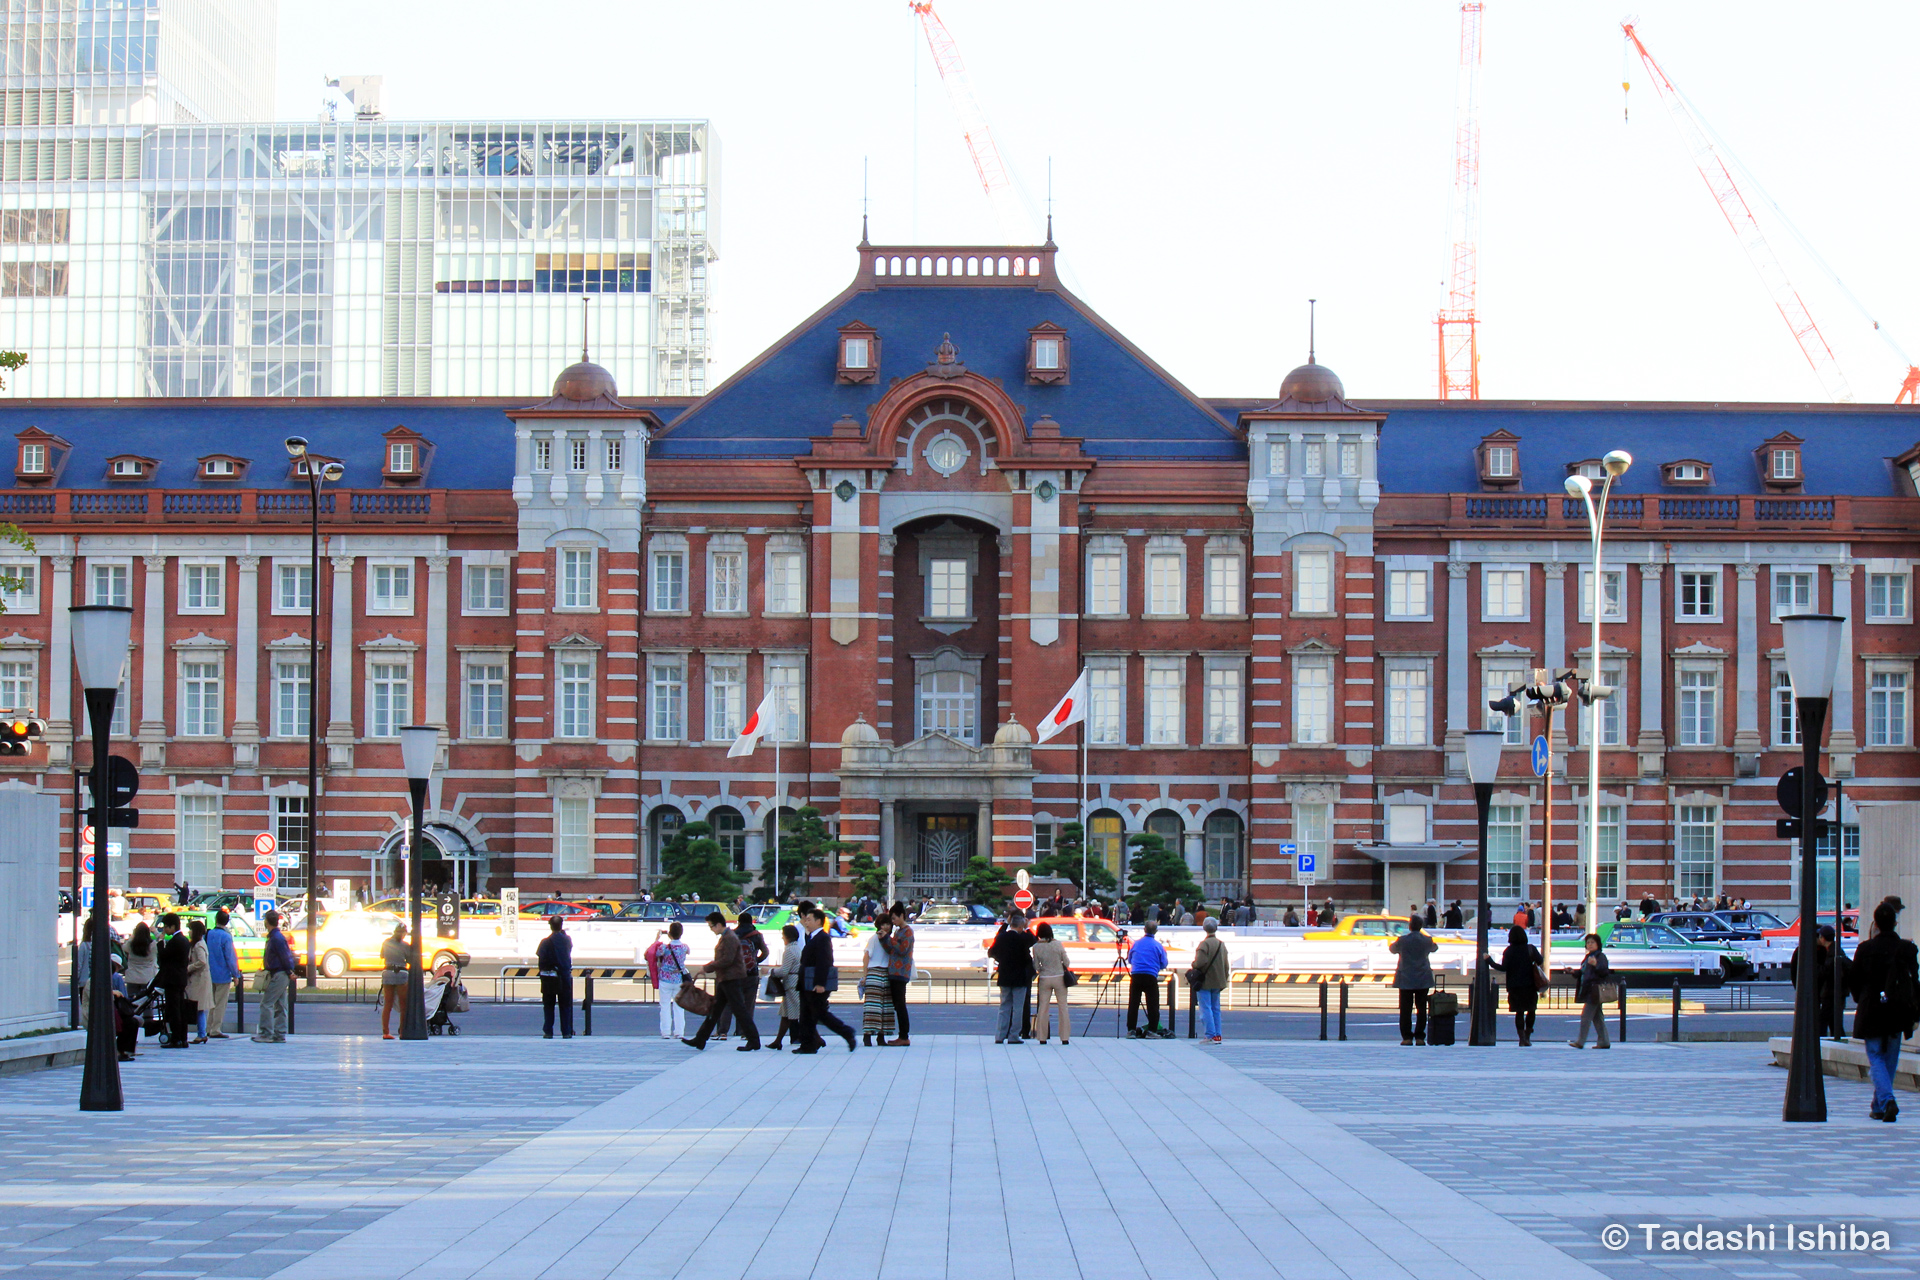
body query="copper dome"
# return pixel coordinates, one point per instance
(583, 382)
(1312, 384)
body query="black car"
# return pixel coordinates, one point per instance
(1703, 926)
(1749, 924)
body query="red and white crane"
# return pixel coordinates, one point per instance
(995, 178)
(1457, 323)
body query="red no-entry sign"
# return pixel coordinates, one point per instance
(1023, 899)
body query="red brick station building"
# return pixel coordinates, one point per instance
(919, 516)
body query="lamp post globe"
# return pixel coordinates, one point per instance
(296, 446)
(102, 636)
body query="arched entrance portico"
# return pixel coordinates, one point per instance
(447, 857)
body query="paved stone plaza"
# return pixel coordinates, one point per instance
(337, 1156)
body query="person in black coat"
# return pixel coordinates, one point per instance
(1886, 995)
(554, 955)
(1455, 916)
(1521, 962)
(1012, 952)
(1594, 970)
(1830, 1023)
(176, 954)
(818, 979)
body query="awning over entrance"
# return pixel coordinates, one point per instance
(1429, 853)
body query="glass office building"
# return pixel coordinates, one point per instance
(146, 253)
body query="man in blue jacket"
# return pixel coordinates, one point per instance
(278, 963)
(223, 970)
(1148, 959)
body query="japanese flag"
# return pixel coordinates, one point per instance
(1070, 710)
(756, 727)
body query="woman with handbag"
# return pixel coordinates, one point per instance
(1595, 989)
(876, 1011)
(1525, 981)
(670, 956)
(783, 984)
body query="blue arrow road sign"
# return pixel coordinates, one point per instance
(1541, 758)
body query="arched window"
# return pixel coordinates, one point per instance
(1224, 844)
(949, 704)
(663, 824)
(1106, 839)
(730, 829)
(1167, 824)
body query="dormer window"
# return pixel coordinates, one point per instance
(222, 467)
(1592, 469)
(39, 457)
(1687, 472)
(33, 460)
(1781, 468)
(1907, 465)
(314, 462)
(1499, 458)
(406, 456)
(1046, 354)
(131, 467)
(859, 354)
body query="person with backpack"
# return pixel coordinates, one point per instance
(667, 957)
(1413, 978)
(1886, 994)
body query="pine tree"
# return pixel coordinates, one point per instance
(867, 876)
(1157, 873)
(693, 865)
(806, 845)
(1064, 862)
(984, 883)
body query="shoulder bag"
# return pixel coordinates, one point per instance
(1072, 978)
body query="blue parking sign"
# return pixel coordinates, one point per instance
(1306, 862)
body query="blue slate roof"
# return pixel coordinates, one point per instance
(1428, 446)
(1117, 401)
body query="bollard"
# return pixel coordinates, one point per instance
(1623, 1012)
(293, 1001)
(1676, 1011)
(240, 999)
(1343, 1011)
(1171, 1006)
(1190, 1013)
(586, 1007)
(1323, 1008)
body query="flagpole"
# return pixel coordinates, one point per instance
(776, 806)
(1085, 835)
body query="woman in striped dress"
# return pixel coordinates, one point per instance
(876, 1017)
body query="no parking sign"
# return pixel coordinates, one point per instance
(263, 878)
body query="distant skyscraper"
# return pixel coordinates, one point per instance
(146, 252)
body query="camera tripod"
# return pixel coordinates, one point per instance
(1119, 973)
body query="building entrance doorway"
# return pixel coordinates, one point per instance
(946, 841)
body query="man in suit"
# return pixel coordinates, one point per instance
(176, 953)
(818, 979)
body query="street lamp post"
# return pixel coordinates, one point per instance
(101, 634)
(1483, 766)
(1615, 464)
(333, 471)
(1812, 642)
(418, 743)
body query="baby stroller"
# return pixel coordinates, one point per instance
(150, 1008)
(446, 994)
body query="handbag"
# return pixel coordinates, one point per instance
(1606, 992)
(1540, 978)
(259, 982)
(695, 999)
(1072, 979)
(776, 986)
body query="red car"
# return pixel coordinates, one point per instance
(550, 907)
(1850, 921)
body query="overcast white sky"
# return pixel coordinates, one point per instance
(1215, 164)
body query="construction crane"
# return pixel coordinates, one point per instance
(995, 178)
(1457, 323)
(1717, 173)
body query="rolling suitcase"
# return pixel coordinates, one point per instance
(1443, 1011)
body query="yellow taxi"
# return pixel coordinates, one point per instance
(1373, 928)
(350, 940)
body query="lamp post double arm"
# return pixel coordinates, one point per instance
(418, 745)
(332, 471)
(1615, 465)
(1483, 768)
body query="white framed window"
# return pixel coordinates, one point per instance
(1612, 818)
(122, 705)
(573, 703)
(292, 697)
(1312, 699)
(1166, 583)
(1786, 712)
(1503, 593)
(576, 453)
(543, 453)
(1506, 851)
(577, 586)
(200, 698)
(1046, 353)
(616, 453)
(669, 580)
(1107, 580)
(1498, 676)
(203, 587)
(20, 585)
(292, 834)
(109, 583)
(486, 588)
(486, 698)
(1500, 459)
(400, 456)
(1613, 594)
(1313, 829)
(1224, 589)
(949, 585)
(1349, 459)
(667, 698)
(33, 459)
(1313, 582)
(949, 704)
(20, 684)
(1697, 593)
(1277, 456)
(1409, 597)
(1612, 709)
(1696, 850)
(726, 696)
(1792, 592)
(853, 352)
(785, 676)
(1409, 702)
(389, 697)
(726, 575)
(786, 581)
(1698, 709)
(1406, 824)
(293, 588)
(390, 588)
(1786, 464)
(1106, 701)
(1226, 702)
(1887, 597)
(1887, 707)
(1166, 701)
(199, 839)
(573, 836)
(1313, 457)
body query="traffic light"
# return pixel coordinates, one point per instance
(18, 734)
